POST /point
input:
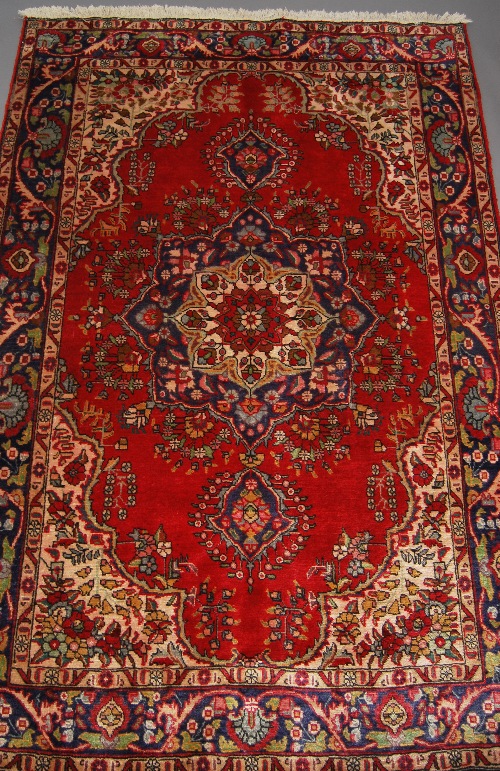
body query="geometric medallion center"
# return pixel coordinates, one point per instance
(251, 321)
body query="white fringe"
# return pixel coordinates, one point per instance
(230, 14)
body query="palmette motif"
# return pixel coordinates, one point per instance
(249, 399)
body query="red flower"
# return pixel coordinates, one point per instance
(100, 185)
(422, 474)
(418, 623)
(105, 679)
(399, 677)
(59, 509)
(391, 643)
(74, 473)
(395, 189)
(436, 509)
(301, 678)
(203, 677)
(58, 598)
(78, 625)
(464, 584)
(440, 597)
(28, 585)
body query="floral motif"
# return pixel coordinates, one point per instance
(254, 330)
(252, 156)
(252, 523)
(254, 324)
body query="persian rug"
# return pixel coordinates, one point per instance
(249, 396)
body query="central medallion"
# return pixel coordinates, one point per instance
(251, 322)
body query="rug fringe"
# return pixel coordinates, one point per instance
(229, 14)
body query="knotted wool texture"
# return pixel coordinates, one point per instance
(249, 399)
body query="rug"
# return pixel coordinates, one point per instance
(249, 396)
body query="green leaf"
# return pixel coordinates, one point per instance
(471, 737)
(318, 745)
(8, 551)
(451, 274)
(406, 738)
(123, 741)
(465, 437)
(484, 578)
(456, 339)
(20, 478)
(95, 740)
(277, 745)
(26, 740)
(492, 661)
(226, 745)
(188, 744)
(471, 480)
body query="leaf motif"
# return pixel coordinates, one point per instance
(277, 745)
(226, 745)
(26, 740)
(188, 744)
(318, 745)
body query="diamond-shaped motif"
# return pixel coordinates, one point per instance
(252, 522)
(251, 156)
(251, 517)
(21, 261)
(466, 262)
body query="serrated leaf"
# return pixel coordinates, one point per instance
(86, 588)
(188, 744)
(123, 741)
(109, 583)
(8, 551)
(26, 740)
(318, 745)
(278, 745)
(226, 745)
(471, 737)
